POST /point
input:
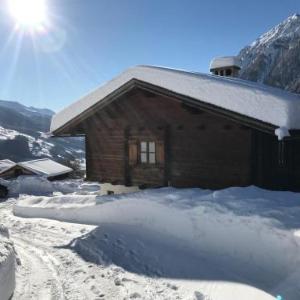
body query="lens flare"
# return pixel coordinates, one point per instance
(30, 14)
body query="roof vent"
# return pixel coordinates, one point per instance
(225, 66)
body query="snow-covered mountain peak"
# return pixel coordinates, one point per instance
(273, 58)
(295, 16)
(288, 28)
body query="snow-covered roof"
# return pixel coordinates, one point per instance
(258, 101)
(45, 167)
(226, 61)
(5, 165)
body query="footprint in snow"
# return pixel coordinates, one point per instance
(135, 296)
(118, 282)
(173, 287)
(95, 290)
(200, 296)
(79, 271)
(124, 279)
(89, 278)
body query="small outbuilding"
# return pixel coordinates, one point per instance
(6, 167)
(42, 167)
(155, 126)
(10, 169)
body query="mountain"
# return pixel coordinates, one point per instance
(274, 57)
(23, 135)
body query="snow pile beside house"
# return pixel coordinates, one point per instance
(40, 186)
(7, 265)
(244, 241)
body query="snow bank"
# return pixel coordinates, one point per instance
(30, 185)
(58, 202)
(40, 186)
(241, 235)
(270, 105)
(7, 265)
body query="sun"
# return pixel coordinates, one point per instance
(28, 14)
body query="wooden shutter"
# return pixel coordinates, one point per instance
(133, 153)
(160, 152)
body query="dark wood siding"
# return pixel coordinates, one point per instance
(105, 154)
(294, 162)
(199, 148)
(276, 163)
(216, 155)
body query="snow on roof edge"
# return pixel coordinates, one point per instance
(13, 164)
(267, 104)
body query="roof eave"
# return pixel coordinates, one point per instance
(133, 83)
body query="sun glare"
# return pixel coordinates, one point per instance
(29, 14)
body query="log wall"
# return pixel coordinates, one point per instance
(201, 148)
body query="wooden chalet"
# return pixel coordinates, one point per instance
(155, 126)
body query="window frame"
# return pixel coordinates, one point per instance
(148, 153)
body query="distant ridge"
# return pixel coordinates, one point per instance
(23, 135)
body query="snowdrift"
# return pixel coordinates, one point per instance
(244, 236)
(41, 186)
(7, 265)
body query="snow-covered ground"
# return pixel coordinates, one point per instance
(238, 243)
(7, 265)
(38, 185)
(50, 269)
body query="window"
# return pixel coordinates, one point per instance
(222, 73)
(148, 153)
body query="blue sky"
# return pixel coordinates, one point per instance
(90, 41)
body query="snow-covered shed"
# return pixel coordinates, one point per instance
(157, 126)
(5, 165)
(10, 169)
(42, 167)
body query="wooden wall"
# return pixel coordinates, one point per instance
(201, 148)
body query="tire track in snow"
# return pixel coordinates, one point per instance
(41, 279)
(48, 272)
(55, 268)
